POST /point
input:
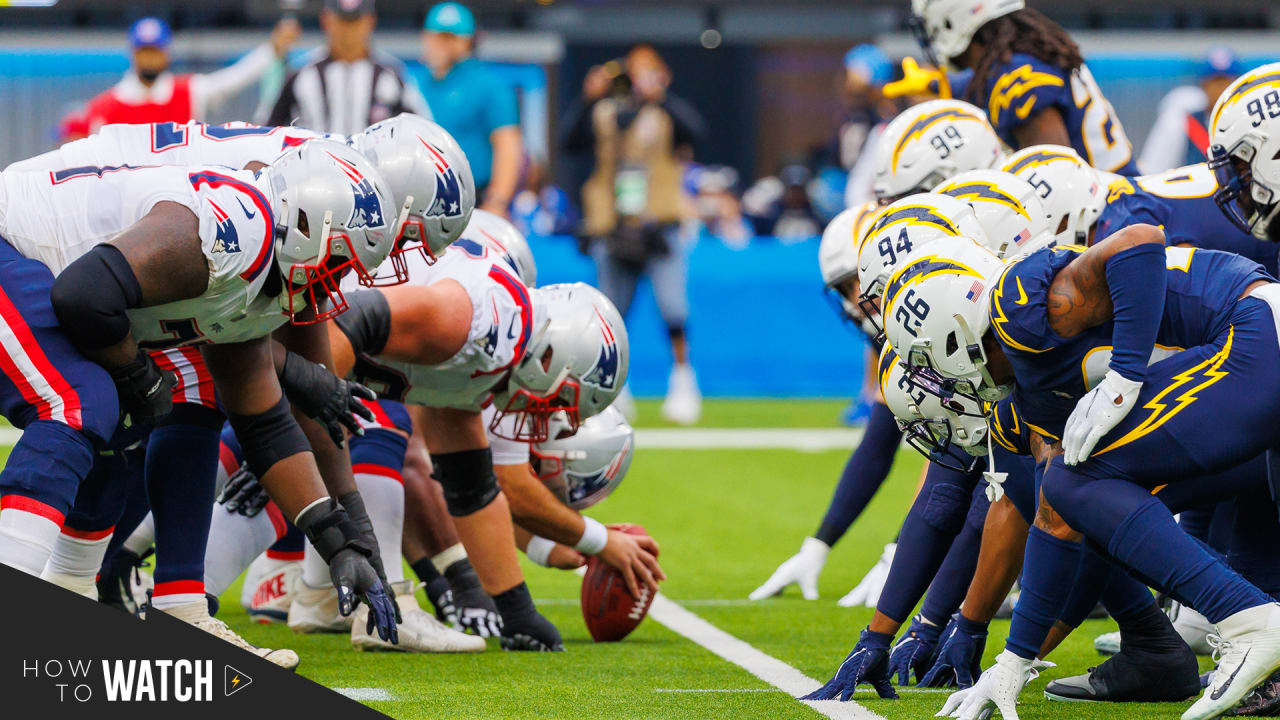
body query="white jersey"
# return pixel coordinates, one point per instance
(234, 145)
(57, 216)
(501, 326)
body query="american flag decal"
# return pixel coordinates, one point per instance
(1022, 236)
(974, 291)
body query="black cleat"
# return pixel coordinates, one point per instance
(1263, 701)
(1133, 676)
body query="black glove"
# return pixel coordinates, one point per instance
(523, 627)
(341, 545)
(476, 611)
(146, 391)
(354, 505)
(325, 397)
(243, 493)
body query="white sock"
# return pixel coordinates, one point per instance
(26, 540)
(75, 561)
(315, 572)
(234, 541)
(384, 500)
(172, 600)
(143, 537)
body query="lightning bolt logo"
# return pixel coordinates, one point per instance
(1036, 159)
(925, 122)
(1013, 85)
(235, 681)
(1208, 372)
(984, 191)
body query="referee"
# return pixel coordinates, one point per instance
(346, 86)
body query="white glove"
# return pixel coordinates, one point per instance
(803, 569)
(867, 592)
(1101, 409)
(998, 686)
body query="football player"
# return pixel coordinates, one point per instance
(1028, 74)
(1030, 326)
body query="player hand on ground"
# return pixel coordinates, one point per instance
(243, 493)
(999, 687)
(530, 631)
(914, 650)
(867, 592)
(634, 557)
(353, 503)
(325, 397)
(868, 663)
(357, 581)
(803, 569)
(959, 660)
(1100, 410)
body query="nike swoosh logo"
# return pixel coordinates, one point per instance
(511, 330)
(1223, 688)
(247, 214)
(1022, 294)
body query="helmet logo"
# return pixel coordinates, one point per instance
(226, 240)
(448, 200)
(605, 373)
(366, 210)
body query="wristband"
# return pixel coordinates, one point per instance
(539, 550)
(450, 555)
(594, 537)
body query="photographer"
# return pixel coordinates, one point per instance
(633, 202)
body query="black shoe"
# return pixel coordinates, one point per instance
(1133, 676)
(116, 577)
(1262, 701)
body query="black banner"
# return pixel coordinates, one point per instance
(65, 656)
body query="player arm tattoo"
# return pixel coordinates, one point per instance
(1079, 296)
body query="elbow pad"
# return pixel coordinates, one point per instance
(91, 297)
(1137, 281)
(366, 321)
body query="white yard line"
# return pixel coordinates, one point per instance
(803, 439)
(715, 690)
(365, 694)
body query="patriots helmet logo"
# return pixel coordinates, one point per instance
(448, 200)
(605, 373)
(225, 238)
(490, 340)
(367, 210)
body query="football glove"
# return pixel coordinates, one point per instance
(347, 553)
(476, 611)
(959, 660)
(325, 397)
(803, 569)
(914, 651)
(353, 503)
(998, 687)
(867, 592)
(441, 597)
(243, 494)
(868, 663)
(1100, 410)
(145, 391)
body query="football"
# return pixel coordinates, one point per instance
(611, 613)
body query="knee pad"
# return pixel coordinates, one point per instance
(978, 507)
(946, 507)
(269, 437)
(468, 480)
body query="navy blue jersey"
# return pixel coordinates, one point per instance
(1019, 89)
(1053, 373)
(1181, 202)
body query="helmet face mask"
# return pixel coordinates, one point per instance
(585, 466)
(939, 425)
(1250, 205)
(316, 286)
(534, 412)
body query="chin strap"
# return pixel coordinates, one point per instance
(995, 480)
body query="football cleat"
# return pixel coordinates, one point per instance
(1264, 701)
(1247, 648)
(315, 610)
(1107, 643)
(1132, 676)
(273, 593)
(419, 632)
(197, 614)
(1192, 626)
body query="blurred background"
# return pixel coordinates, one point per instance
(752, 113)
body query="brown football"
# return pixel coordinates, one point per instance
(611, 613)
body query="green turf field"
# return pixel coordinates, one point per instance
(724, 519)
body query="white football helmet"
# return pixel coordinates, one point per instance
(838, 261)
(431, 180)
(1008, 210)
(929, 423)
(1245, 125)
(929, 143)
(946, 27)
(1074, 194)
(575, 365)
(584, 467)
(333, 214)
(498, 235)
(901, 228)
(935, 311)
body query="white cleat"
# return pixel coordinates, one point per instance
(1107, 643)
(420, 631)
(197, 614)
(252, 577)
(683, 404)
(274, 592)
(1193, 627)
(1248, 650)
(315, 610)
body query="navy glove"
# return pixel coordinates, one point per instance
(243, 493)
(959, 660)
(914, 650)
(357, 581)
(868, 663)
